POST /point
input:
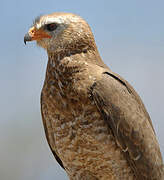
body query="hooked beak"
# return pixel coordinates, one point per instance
(35, 34)
(27, 37)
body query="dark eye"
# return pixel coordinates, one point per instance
(51, 27)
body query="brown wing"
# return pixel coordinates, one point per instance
(46, 133)
(126, 116)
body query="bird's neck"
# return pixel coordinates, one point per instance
(64, 71)
(74, 57)
(67, 64)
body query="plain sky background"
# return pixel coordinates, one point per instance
(130, 38)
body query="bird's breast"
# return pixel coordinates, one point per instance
(80, 136)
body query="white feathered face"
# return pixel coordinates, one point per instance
(59, 31)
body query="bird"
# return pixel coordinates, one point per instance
(95, 123)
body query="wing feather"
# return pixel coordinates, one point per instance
(126, 116)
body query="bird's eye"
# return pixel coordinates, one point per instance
(51, 27)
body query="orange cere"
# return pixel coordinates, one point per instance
(37, 34)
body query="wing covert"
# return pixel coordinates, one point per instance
(126, 116)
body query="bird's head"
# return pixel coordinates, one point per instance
(60, 32)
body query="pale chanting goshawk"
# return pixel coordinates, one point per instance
(95, 123)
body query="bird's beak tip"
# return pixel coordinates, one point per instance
(27, 37)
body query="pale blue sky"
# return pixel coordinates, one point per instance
(130, 39)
